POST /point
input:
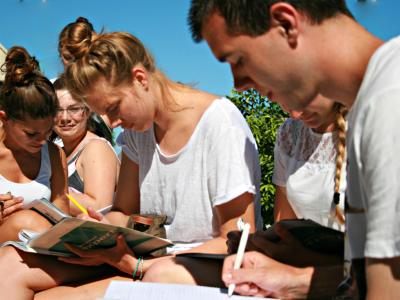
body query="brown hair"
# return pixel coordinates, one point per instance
(340, 123)
(95, 123)
(111, 56)
(252, 17)
(26, 92)
(73, 36)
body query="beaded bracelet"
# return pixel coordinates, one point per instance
(141, 269)
(136, 267)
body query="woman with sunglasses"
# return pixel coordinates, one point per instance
(93, 165)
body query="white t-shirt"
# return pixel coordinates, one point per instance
(218, 164)
(35, 189)
(374, 165)
(305, 163)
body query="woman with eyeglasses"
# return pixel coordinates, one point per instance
(30, 166)
(93, 165)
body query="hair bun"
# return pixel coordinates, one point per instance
(19, 66)
(86, 21)
(75, 39)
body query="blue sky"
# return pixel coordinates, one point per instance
(160, 24)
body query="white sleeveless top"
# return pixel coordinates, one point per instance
(305, 163)
(37, 188)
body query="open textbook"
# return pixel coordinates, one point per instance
(127, 290)
(81, 233)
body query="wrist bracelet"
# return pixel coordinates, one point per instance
(136, 267)
(141, 269)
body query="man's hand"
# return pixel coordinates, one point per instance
(262, 276)
(279, 244)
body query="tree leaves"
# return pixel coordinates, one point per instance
(264, 118)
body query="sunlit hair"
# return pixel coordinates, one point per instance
(112, 56)
(340, 123)
(95, 123)
(252, 17)
(73, 36)
(26, 93)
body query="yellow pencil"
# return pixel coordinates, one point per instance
(77, 204)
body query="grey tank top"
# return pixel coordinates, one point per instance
(74, 180)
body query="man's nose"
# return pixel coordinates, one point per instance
(239, 81)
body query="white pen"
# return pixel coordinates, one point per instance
(240, 254)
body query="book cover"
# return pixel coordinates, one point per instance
(84, 234)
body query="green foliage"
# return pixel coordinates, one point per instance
(264, 118)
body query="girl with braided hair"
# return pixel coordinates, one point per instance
(31, 167)
(309, 167)
(309, 174)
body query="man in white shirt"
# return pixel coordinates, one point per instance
(291, 50)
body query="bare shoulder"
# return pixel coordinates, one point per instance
(204, 100)
(98, 148)
(207, 96)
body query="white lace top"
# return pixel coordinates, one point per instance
(305, 163)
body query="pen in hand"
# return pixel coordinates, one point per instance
(77, 204)
(240, 254)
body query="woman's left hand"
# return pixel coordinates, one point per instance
(9, 204)
(120, 256)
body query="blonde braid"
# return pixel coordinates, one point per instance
(341, 112)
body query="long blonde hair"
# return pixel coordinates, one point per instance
(340, 124)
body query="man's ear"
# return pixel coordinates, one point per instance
(140, 76)
(285, 18)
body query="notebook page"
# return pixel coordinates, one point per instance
(126, 290)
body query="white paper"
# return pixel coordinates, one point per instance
(127, 290)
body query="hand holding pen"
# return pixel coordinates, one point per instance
(245, 228)
(89, 213)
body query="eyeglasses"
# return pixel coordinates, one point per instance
(72, 111)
